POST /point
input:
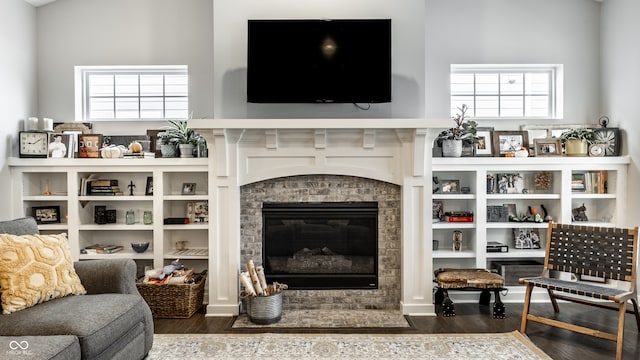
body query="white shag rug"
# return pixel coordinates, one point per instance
(265, 346)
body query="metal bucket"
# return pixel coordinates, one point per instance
(265, 310)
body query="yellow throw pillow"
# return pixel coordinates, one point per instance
(35, 269)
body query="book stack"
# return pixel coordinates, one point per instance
(458, 216)
(590, 182)
(103, 187)
(101, 249)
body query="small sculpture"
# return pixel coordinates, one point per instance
(579, 213)
(131, 186)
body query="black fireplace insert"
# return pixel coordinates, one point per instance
(328, 245)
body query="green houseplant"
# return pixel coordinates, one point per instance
(576, 141)
(464, 131)
(179, 134)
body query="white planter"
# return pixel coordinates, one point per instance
(451, 148)
(186, 150)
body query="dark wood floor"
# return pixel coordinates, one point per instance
(471, 318)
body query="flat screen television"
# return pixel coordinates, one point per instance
(311, 61)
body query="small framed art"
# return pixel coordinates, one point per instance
(449, 186)
(188, 188)
(198, 211)
(148, 190)
(484, 147)
(506, 142)
(46, 214)
(60, 145)
(547, 147)
(526, 238)
(89, 145)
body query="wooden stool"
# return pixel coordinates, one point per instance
(469, 279)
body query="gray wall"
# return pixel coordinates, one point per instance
(17, 82)
(123, 32)
(620, 79)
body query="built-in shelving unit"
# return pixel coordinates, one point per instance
(157, 187)
(557, 196)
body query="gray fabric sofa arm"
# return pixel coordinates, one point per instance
(108, 276)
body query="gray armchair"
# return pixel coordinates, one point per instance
(112, 321)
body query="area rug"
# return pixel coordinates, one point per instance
(265, 346)
(331, 319)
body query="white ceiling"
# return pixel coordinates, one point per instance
(37, 3)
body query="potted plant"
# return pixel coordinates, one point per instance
(178, 133)
(453, 138)
(576, 141)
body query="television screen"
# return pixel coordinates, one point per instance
(306, 61)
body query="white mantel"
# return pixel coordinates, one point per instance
(242, 151)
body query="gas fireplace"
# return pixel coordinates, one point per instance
(329, 245)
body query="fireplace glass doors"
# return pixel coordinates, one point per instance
(321, 245)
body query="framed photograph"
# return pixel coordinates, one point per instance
(449, 186)
(438, 211)
(188, 188)
(511, 210)
(148, 190)
(198, 211)
(60, 145)
(484, 147)
(547, 147)
(46, 214)
(510, 183)
(497, 213)
(154, 146)
(505, 142)
(89, 145)
(526, 238)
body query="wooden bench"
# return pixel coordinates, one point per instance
(588, 265)
(469, 279)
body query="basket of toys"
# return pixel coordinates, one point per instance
(173, 292)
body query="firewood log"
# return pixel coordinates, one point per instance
(245, 279)
(251, 268)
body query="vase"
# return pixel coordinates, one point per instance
(451, 148)
(168, 150)
(576, 147)
(186, 150)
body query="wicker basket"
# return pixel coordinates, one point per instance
(173, 301)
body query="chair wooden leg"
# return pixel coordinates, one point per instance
(622, 311)
(554, 302)
(525, 309)
(635, 311)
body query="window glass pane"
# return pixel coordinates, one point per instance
(151, 85)
(126, 85)
(457, 101)
(101, 108)
(100, 85)
(461, 84)
(487, 84)
(487, 106)
(176, 108)
(537, 106)
(537, 83)
(126, 108)
(511, 106)
(176, 85)
(151, 108)
(511, 84)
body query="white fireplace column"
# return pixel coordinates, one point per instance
(243, 151)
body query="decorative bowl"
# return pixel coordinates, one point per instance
(140, 247)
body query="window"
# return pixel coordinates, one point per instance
(507, 91)
(131, 92)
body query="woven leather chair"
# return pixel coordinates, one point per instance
(603, 263)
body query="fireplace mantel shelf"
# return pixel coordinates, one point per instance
(404, 123)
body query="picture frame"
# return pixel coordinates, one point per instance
(510, 183)
(148, 190)
(154, 147)
(506, 142)
(438, 211)
(526, 238)
(89, 145)
(547, 147)
(188, 188)
(497, 213)
(60, 146)
(512, 210)
(46, 214)
(449, 187)
(484, 147)
(198, 212)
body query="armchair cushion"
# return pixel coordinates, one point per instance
(35, 269)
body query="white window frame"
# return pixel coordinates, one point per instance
(555, 91)
(82, 74)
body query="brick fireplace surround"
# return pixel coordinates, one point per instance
(384, 160)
